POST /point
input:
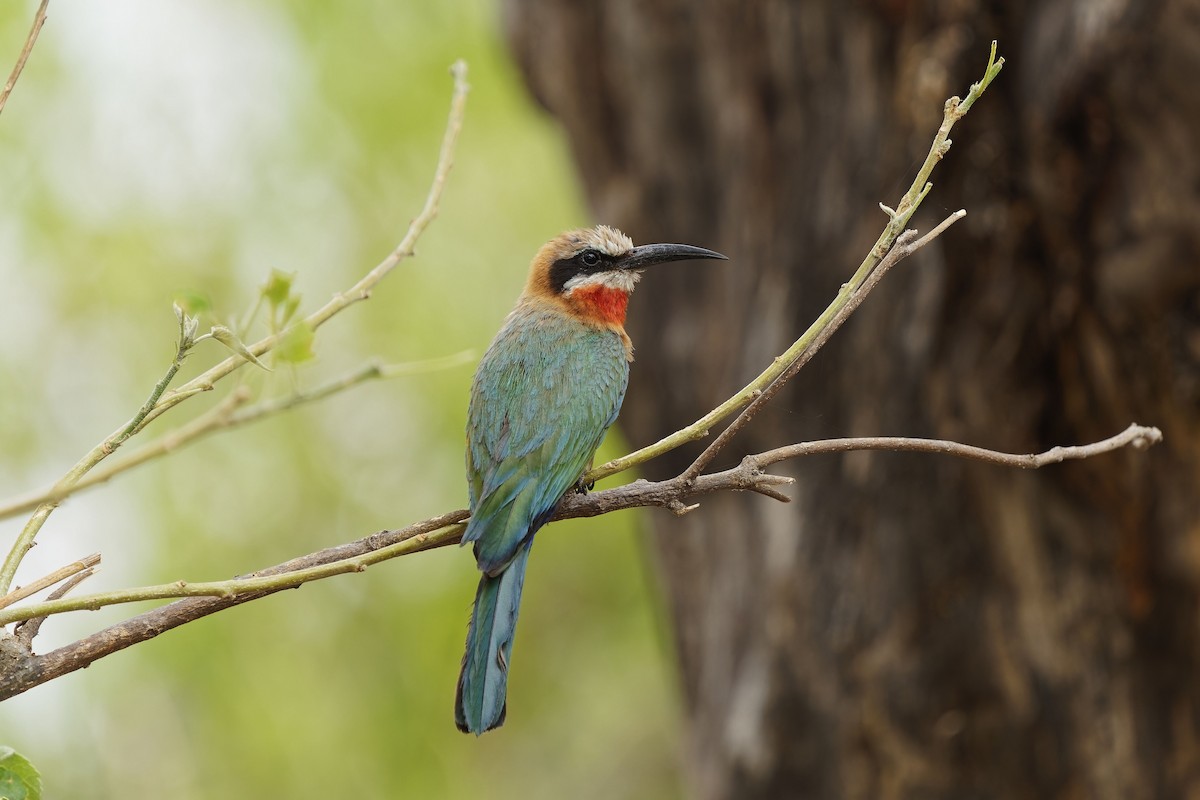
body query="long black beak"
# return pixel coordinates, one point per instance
(650, 254)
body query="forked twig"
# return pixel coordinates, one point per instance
(60, 574)
(28, 630)
(906, 244)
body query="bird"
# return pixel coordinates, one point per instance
(545, 392)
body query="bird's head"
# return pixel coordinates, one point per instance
(592, 271)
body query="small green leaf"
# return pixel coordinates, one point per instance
(230, 340)
(19, 780)
(193, 303)
(296, 344)
(278, 287)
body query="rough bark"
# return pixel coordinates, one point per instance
(913, 626)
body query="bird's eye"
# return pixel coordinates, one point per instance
(590, 258)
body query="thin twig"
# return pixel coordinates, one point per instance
(361, 290)
(39, 20)
(60, 574)
(1136, 436)
(906, 244)
(224, 416)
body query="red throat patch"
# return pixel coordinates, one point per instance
(601, 303)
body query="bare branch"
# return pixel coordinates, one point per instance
(20, 673)
(229, 413)
(39, 20)
(906, 244)
(1137, 436)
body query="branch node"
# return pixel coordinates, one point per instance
(750, 466)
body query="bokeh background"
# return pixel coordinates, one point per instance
(158, 150)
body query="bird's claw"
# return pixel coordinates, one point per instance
(583, 487)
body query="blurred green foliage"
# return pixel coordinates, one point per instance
(188, 151)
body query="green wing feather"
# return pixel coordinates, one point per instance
(544, 394)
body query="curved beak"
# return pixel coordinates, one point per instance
(650, 254)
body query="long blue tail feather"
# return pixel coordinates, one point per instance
(480, 703)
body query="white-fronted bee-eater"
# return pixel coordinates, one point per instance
(546, 390)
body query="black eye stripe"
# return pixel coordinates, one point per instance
(564, 269)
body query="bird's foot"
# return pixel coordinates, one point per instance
(583, 487)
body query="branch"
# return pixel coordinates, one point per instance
(903, 248)
(60, 574)
(955, 110)
(26, 671)
(20, 672)
(25, 539)
(1136, 436)
(39, 20)
(228, 414)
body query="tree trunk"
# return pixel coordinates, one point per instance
(912, 626)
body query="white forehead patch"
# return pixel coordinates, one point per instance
(603, 238)
(621, 279)
(612, 241)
